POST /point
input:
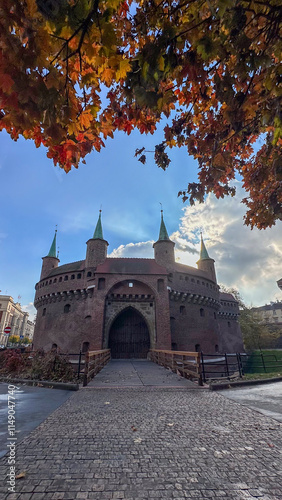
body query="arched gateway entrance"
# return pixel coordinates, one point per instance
(129, 335)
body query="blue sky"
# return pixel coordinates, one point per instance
(35, 196)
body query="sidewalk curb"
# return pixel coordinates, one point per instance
(243, 383)
(41, 383)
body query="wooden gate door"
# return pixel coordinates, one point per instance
(129, 336)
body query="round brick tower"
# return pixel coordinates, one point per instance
(51, 260)
(205, 263)
(164, 248)
(96, 247)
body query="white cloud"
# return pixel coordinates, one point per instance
(249, 260)
(142, 250)
(31, 310)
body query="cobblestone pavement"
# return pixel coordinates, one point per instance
(149, 443)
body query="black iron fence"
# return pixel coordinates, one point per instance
(77, 360)
(237, 364)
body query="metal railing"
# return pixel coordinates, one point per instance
(215, 366)
(77, 360)
(187, 364)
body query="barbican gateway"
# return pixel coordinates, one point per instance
(131, 305)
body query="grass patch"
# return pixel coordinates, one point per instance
(266, 362)
(260, 376)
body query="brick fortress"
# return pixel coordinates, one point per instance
(131, 305)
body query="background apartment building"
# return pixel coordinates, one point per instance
(12, 315)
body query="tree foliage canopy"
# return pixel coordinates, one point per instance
(256, 333)
(212, 67)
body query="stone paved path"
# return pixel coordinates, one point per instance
(138, 372)
(146, 443)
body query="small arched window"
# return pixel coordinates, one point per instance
(216, 348)
(89, 274)
(101, 283)
(160, 285)
(182, 310)
(54, 347)
(79, 276)
(198, 348)
(72, 277)
(66, 278)
(67, 308)
(229, 324)
(50, 281)
(55, 280)
(85, 347)
(44, 312)
(202, 312)
(214, 315)
(60, 279)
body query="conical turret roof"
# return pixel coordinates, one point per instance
(98, 233)
(163, 235)
(52, 251)
(203, 252)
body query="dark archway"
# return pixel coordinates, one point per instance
(129, 335)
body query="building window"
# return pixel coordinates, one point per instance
(216, 348)
(67, 308)
(198, 348)
(214, 315)
(202, 312)
(193, 281)
(54, 347)
(198, 282)
(186, 278)
(101, 283)
(66, 278)
(72, 277)
(130, 285)
(89, 274)
(60, 279)
(85, 347)
(160, 285)
(50, 282)
(55, 280)
(44, 312)
(228, 324)
(88, 318)
(182, 310)
(79, 276)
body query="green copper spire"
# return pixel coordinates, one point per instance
(52, 251)
(163, 232)
(98, 233)
(203, 253)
